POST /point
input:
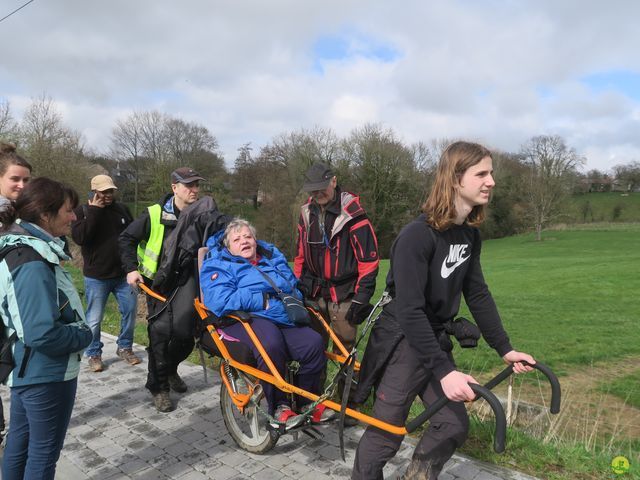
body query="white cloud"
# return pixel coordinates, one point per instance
(498, 72)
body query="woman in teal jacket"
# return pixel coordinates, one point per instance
(39, 303)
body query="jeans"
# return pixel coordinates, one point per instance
(96, 293)
(38, 423)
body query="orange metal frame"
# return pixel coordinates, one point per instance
(273, 376)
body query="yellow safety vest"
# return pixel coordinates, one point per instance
(149, 250)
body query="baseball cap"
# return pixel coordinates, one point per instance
(317, 177)
(100, 183)
(185, 175)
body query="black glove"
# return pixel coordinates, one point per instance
(466, 333)
(358, 312)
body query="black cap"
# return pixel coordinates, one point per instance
(317, 177)
(185, 175)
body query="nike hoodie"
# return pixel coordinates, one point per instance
(430, 271)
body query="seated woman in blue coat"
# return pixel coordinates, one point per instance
(231, 279)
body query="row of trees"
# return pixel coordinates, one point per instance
(392, 178)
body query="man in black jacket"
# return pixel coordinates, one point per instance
(96, 230)
(141, 248)
(336, 254)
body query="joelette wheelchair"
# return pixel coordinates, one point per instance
(243, 403)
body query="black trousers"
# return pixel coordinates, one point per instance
(165, 351)
(404, 378)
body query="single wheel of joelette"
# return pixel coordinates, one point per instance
(249, 429)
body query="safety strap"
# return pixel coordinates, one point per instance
(349, 366)
(202, 361)
(351, 362)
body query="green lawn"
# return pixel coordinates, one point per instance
(626, 387)
(603, 207)
(571, 299)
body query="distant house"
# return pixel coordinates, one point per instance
(124, 173)
(599, 184)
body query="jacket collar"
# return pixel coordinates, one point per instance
(27, 233)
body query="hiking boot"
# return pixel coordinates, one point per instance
(284, 414)
(163, 402)
(95, 363)
(128, 356)
(176, 383)
(351, 421)
(322, 414)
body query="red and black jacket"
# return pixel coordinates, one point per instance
(336, 256)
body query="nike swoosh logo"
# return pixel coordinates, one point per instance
(445, 271)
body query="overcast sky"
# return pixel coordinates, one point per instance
(497, 72)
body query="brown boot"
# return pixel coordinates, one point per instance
(163, 402)
(95, 363)
(128, 356)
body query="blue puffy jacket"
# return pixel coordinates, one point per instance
(229, 282)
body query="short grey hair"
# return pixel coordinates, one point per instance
(235, 225)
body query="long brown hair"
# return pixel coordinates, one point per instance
(440, 205)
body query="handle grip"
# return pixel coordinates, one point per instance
(480, 391)
(556, 394)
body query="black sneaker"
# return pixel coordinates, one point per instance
(177, 384)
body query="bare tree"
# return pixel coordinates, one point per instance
(8, 126)
(426, 158)
(126, 145)
(552, 171)
(53, 149)
(245, 180)
(276, 176)
(185, 139)
(628, 175)
(153, 135)
(384, 174)
(193, 145)
(154, 144)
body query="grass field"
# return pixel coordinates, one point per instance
(571, 301)
(603, 207)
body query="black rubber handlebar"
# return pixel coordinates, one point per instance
(494, 403)
(554, 407)
(480, 391)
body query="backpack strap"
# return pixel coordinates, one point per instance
(6, 360)
(7, 250)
